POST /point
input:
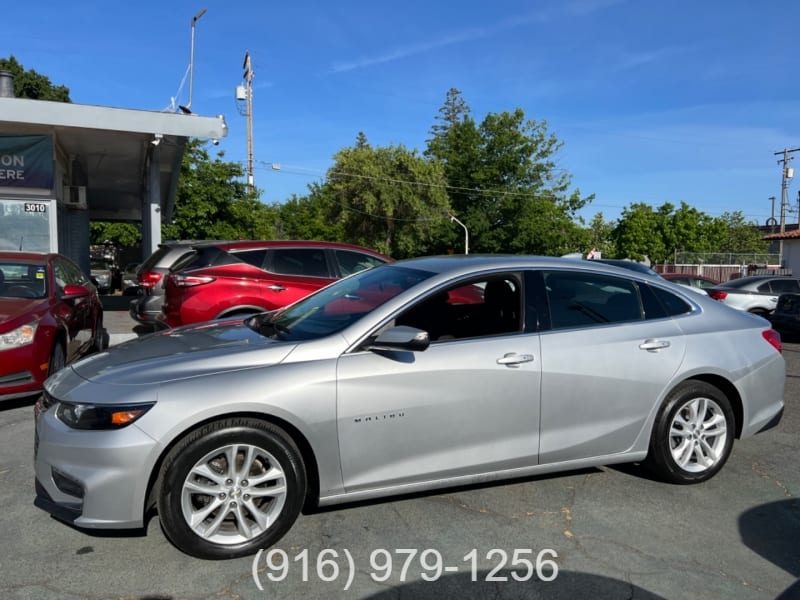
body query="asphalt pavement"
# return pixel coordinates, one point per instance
(610, 533)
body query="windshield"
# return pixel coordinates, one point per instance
(338, 305)
(22, 280)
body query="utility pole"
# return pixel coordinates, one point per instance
(786, 174)
(248, 78)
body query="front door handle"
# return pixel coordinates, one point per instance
(275, 287)
(512, 359)
(654, 345)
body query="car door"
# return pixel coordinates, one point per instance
(610, 351)
(468, 404)
(75, 314)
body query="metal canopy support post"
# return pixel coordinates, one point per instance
(151, 205)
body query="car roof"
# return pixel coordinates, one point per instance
(743, 281)
(452, 264)
(245, 244)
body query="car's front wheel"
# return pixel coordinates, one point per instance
(230, 488)
(693, 434)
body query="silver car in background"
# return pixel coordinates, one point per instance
(413, 376)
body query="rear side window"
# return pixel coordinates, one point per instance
(586, 299)
(672, 304)
(205, 256)
(252, 257)
(306, 262)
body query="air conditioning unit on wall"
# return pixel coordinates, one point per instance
(75, 197)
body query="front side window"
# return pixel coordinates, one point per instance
(779, 286)
(23, 280)
(481, 307)
(350, 262)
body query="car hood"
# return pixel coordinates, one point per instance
(19, 311)
(181, 353)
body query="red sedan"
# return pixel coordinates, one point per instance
(50, 314)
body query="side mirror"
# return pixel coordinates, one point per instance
(401, 337)
(73, 290)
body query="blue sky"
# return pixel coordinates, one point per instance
(655, 101)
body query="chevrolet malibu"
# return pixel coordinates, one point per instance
(411, 376)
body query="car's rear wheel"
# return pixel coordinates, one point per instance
(693, 434)
(230, 488)
(58, 359)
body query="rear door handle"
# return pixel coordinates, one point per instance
(654, 345)
(275, 287)
(512, 359)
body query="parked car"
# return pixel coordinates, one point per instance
(246, 277)
(102, 276)
(380, 384)
(697, 281)
(644, 269)
(786, 317)
(130, 282)
(146, 308)
(50, 315)
(756, 294)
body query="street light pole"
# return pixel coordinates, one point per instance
(466, 233)
(188, 108)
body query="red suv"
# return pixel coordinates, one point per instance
(246, 277)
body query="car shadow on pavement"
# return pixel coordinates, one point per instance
(772, 530)
(505, 584)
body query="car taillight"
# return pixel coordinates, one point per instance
(774, 339)
(179, 280)
(149, 279)
(718, 295)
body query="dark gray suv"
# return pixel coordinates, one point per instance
(151, 277)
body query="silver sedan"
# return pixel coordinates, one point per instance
(413, 376)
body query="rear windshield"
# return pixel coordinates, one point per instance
(155, 258)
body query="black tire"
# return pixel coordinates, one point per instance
(678, 423)
(99, 335)
(271, 448)
(58, 359)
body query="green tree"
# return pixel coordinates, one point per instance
(389, 199)
(600, 235)
(213, 202)
(660, 233)
(738, 236)
(309, 217)
(503, 182)
(32, 85)
(121, 234)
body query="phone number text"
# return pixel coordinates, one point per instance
(329, 565)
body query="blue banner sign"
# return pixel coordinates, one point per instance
(26, 161)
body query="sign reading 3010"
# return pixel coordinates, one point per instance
(36, 207)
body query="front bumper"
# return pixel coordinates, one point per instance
(92, 479)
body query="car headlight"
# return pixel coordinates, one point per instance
(100, 416)
(21, 336)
